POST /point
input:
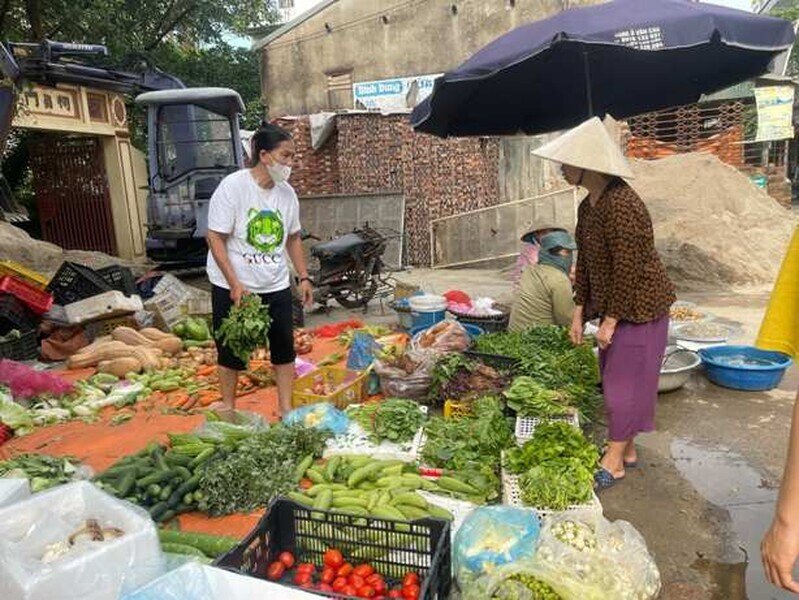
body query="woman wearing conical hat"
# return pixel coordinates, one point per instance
(620, 280)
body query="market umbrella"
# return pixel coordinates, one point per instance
(623, 58)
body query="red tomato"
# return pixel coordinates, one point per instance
(366, 591)
(379, 585)
(345, 570)
(356, 580)
(410, 592)
(306, 568)
(324, 587)
(275, 571)
(308, 585)
(395, 594)
(363, 570)
(287, 558)
(339, 583)
(305, 484)
(328, 575)
(349, 590)
(410, 578)
(302, 577)
(374, 578)
(333, 558)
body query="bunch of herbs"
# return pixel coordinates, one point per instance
(557, 484)
(245, 329)
(553, 440)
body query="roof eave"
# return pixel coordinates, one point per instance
(298, 20)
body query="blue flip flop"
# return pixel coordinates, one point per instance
(604, 479)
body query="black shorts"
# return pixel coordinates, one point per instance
(281, 332)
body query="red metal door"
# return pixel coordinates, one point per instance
(72, 196)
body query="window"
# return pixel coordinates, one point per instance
(339, 89)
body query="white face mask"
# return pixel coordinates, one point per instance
(278, 172)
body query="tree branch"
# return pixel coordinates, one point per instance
(6, 7)
(34, 11)
(164, 31)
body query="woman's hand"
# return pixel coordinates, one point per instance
(779, 551)
(236, 292)
(306, 291)
(604, 336)
(576, 332)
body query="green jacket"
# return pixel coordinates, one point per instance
(545, 298)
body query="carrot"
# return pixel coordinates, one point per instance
(190, 403)
(206, 371)
(208, 398)
(178, 400)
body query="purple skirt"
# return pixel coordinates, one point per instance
(630, 369)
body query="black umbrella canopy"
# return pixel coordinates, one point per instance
(624, 57)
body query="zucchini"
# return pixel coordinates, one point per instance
(178, 459)
(170, 514)
(173, 548)
(302, 467)
(210, 545)
(184, 473)
(158, 509)
(201, 458)
(127, 482)
(156, 477)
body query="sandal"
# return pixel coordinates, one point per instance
(604, 479)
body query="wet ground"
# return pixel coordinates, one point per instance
(704, 492)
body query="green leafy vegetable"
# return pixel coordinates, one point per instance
(246, 327)
(395, 420)
(530, 399)
(557, 484)
(553, 440)
(41, 470)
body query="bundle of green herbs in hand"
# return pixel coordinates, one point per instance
(531, 399)
(468, 442)
(245, 329)
(394, 419)
(260, 467)
(455, 377)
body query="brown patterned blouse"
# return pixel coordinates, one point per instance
(619, 272)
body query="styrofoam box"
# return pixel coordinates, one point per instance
(13, 490)
(108, 304)
(94, 570)
(193, 581)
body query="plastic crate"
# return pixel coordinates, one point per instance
(119, 278)
(73, 283)
(512, 496)
(525, 426)
(105, 305)
(505, 364)
(24, 348)
(97, 329)
(392, 547)
(455, 409)
(15, 315)
(36, 299)
(349, 385)
(36, 279)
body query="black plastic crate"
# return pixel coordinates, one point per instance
(15, 315)
(74, 282)
(26, 347)
(392, 547)
(504, 364)
(119, 278)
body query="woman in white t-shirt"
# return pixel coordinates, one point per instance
(253, 224)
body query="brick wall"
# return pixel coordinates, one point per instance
(315, 173)
(373, 154)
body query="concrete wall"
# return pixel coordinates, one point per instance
(418, 37)
(521, 174)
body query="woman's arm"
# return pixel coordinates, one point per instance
(217, 244)
(297, 255)
(780, 548)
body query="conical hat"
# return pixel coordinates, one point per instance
(588, 146)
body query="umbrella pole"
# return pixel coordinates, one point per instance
(587, 74)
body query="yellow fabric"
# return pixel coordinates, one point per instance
(780, 328)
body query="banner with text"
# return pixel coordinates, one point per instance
(392, 94)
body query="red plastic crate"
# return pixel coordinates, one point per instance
(37, 300)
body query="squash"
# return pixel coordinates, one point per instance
(120, 366)
(169, 345)
(130, 336)
(148, 357)
(153, 334)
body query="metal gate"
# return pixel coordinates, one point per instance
(494, 232)
(72, 197)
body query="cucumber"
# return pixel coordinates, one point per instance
(210, 545)
(305, 463)
(156, 477)
(301, 499)
(154, 490)
(173, 548)
(166, 492)
(412, 513)
(315, 476)
(166, 516)
(454, 485)
(343, 501)
(364, 473)
(324, 500)
(201, 458)
(178, 459)
(158, 509)
(331, 467)
(127, 482)
(439, 513)
(184, 473)
(410, 499)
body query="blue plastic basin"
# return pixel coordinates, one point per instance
(472, 330)
(744, 367)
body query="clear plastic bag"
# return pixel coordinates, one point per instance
(583, 556)
(321, 416)
(244, 424)
(397, 382)
(362, 351)
(187, 582)
(446, 336)
(490, 537)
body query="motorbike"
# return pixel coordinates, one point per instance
(349, 268)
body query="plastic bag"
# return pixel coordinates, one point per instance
(321, 416)
(583, 556)
(410, 376)
(188, 582)
(490, 537)
(446, 336)
(362, 351)
(25, 382)
(244, 424)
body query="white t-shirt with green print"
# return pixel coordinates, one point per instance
(258, 222)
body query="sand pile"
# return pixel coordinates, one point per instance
(17, 245)
(713, 226)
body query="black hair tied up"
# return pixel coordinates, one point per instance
(267, 137)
